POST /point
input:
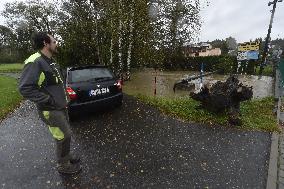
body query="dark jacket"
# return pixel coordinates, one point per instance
(42, 83)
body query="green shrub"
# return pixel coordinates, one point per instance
(211, 63)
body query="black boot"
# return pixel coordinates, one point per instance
(74, 159)
(68, 168)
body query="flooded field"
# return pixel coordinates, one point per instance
(144, 82)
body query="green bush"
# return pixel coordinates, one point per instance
(5, 58)
(267, 70)
(211, 63)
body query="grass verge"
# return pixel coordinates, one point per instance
(10, 96)
(11, 67)
(256, 114)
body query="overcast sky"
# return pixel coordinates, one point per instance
(241, 19)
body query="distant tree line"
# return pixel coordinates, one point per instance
(119, 33)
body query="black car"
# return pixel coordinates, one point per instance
(92, 88)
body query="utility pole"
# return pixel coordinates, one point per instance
(265, 52)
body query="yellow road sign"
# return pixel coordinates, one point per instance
(249, 46)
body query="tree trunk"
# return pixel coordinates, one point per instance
(97, 40)
(129, 52)
(120, 64)
(111, 50)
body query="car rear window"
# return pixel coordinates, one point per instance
(89, 74)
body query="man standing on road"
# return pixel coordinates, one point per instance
(42, 83)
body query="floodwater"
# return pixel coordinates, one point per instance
(143, 82)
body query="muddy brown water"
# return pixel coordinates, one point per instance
(143, 82)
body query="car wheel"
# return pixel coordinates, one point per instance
(119, 103)
(71, 116)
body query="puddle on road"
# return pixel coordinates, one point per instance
(143, 82)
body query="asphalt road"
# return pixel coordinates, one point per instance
(134, 146)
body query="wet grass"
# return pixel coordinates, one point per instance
(256, 114)
(10, 96)
(11, 67)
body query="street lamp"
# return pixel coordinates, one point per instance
(265, 52)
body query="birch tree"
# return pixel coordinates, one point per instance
(129, 51)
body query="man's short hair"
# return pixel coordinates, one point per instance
(39, 39)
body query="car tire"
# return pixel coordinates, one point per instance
(119, 104)
(71, 116)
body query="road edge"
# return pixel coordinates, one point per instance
(272, 176)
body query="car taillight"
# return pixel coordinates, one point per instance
(71, 93)
(119, 84)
